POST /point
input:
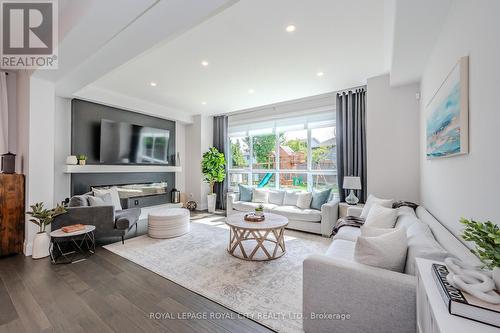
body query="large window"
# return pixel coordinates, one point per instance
(291, 153)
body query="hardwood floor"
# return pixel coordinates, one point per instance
(105, 293)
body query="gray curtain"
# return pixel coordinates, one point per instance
(220, 138)
(351, 139)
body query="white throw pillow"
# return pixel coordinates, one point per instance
(368, 231)
(374, 200)
(113, 191)
(304, 200)
(381, 217)
(386, 251)
(291, 198)
(104, 200)
(260, 196)
(276, 197)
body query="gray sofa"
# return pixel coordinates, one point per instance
(110, 224)
(375, 299)
(310, 220)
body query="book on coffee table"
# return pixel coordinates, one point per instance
(462, 304)
(73, 228)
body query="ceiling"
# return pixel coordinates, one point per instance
(253, 60)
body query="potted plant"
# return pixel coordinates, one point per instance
(82, 159)
(213, 167)
(486, 236)
(43, 217)
(259, 210)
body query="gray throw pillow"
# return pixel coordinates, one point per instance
(104, 200)
(245, 193)
(79, 201)
(320, 198)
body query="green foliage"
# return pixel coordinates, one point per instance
(263, 146)
(297, 145)
(237, 156)
(487, 238)
(82, 157)
(259, 208)
(213, 167)
(320, 154)
(43, 217)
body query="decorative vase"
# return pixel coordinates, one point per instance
(71, 160)
(82, 162)
(211, 202)
(41, 245)
(496, 277)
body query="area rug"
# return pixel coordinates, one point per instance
(268, 292)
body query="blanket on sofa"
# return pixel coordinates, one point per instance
(352, 221)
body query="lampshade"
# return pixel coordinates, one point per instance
(352, 183)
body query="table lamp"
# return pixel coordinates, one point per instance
(352, 183)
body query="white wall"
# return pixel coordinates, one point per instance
(392, 136)
(62, 148)
(180, 147)
(466, 185)
(40, 171)
(199, 137)
(12, 110)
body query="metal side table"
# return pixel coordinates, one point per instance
(72, 247)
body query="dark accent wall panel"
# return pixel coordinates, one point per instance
(86, 127)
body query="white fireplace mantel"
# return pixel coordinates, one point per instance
(119, 168)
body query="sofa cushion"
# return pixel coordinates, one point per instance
(367, 231)
(374, 200)
(244, 206)
(304, 200)
(348, 233)
(291, 198)
(319, 198)
(245, 192)
(341, 249)
(260, 196)
(104, 200)
(276, 197)
(79, 201)
(296, 213)
(381, 217)
(386, 251)
(406, 220)
(422, 244)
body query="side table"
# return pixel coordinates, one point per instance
(71, 247)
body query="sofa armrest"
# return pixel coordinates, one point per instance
(231, 198)
(371, 299)
(354, 211)
(329, 216)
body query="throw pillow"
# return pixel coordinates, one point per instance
(304, 200)
(245, 193)
(260, 196)
(79, 201)
(374, 200)
(386, 251)
(319, 198)
(291, 198)
(368, 231)
(113, 192)
(381, 217)
(276, 197)
(104, 200)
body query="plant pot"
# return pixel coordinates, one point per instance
(211, 198)
(41, 245)
(496, 277)
(82, 162)
(259, 212)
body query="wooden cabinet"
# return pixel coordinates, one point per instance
(12, 213)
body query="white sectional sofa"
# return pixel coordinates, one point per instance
(377, 300)
(308, 219)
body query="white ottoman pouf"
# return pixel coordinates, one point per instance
(168, 222)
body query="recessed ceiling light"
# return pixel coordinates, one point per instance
(251, 91)
(203, 103)
(320, 74)
(290, 28)
(152, 84)
(204, 63)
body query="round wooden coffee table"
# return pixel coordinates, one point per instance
(246, 238)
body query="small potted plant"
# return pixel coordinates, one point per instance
(213, 167)
(42, 217)
(82, 159)
(259, 210)
(486, 236)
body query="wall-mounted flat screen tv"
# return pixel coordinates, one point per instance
(124, 143)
